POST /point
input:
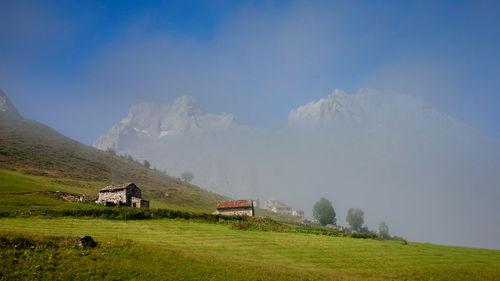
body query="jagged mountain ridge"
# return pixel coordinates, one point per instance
(156, 121)
(370, 109)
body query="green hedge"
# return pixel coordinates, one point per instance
(122, 213)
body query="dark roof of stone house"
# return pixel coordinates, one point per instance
(116, 187)
(234, 204)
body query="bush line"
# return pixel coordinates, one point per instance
(122, 213)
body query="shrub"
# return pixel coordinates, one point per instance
(21, 242)
(383, 231)
(355, 218)
(398, 238)
(187, 176)
(323, 212)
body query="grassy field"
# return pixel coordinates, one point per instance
(218, 252)
(127, 260)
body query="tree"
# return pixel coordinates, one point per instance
(323, 211)
(146, 164)
(187, 176)
(365, 230)
(355, 218)
(383, 231)
(110, 150)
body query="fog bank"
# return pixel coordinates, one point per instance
(430, 177)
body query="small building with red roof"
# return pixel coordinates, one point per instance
(235, 207)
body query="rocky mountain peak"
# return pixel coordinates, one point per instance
(160, 121)
(371, 108)
(186, 102)
(338, 103)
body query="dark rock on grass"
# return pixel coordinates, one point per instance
(87, 242)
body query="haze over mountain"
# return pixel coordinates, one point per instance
(156, 121)
(427, 175)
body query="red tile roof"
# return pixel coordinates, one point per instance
(116, 187)
(234, 204)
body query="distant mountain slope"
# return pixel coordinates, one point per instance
(36, 148)
(6, 105)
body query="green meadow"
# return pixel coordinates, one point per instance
(183, 249)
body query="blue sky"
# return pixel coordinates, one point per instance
(78, 66)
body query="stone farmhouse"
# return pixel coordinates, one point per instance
(236, 207)
(283, 210)
(298, 213)
(124, 195)
(278, 207)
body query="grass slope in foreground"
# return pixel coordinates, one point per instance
(189, 250)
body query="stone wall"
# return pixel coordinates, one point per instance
(116, 197)
(132, 191)
(139, 203)
(236, 211)
(282, 210)
(144, 203)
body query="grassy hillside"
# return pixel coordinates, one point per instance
(190, 250)
(34, 157)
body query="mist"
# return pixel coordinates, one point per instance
(430, 177)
